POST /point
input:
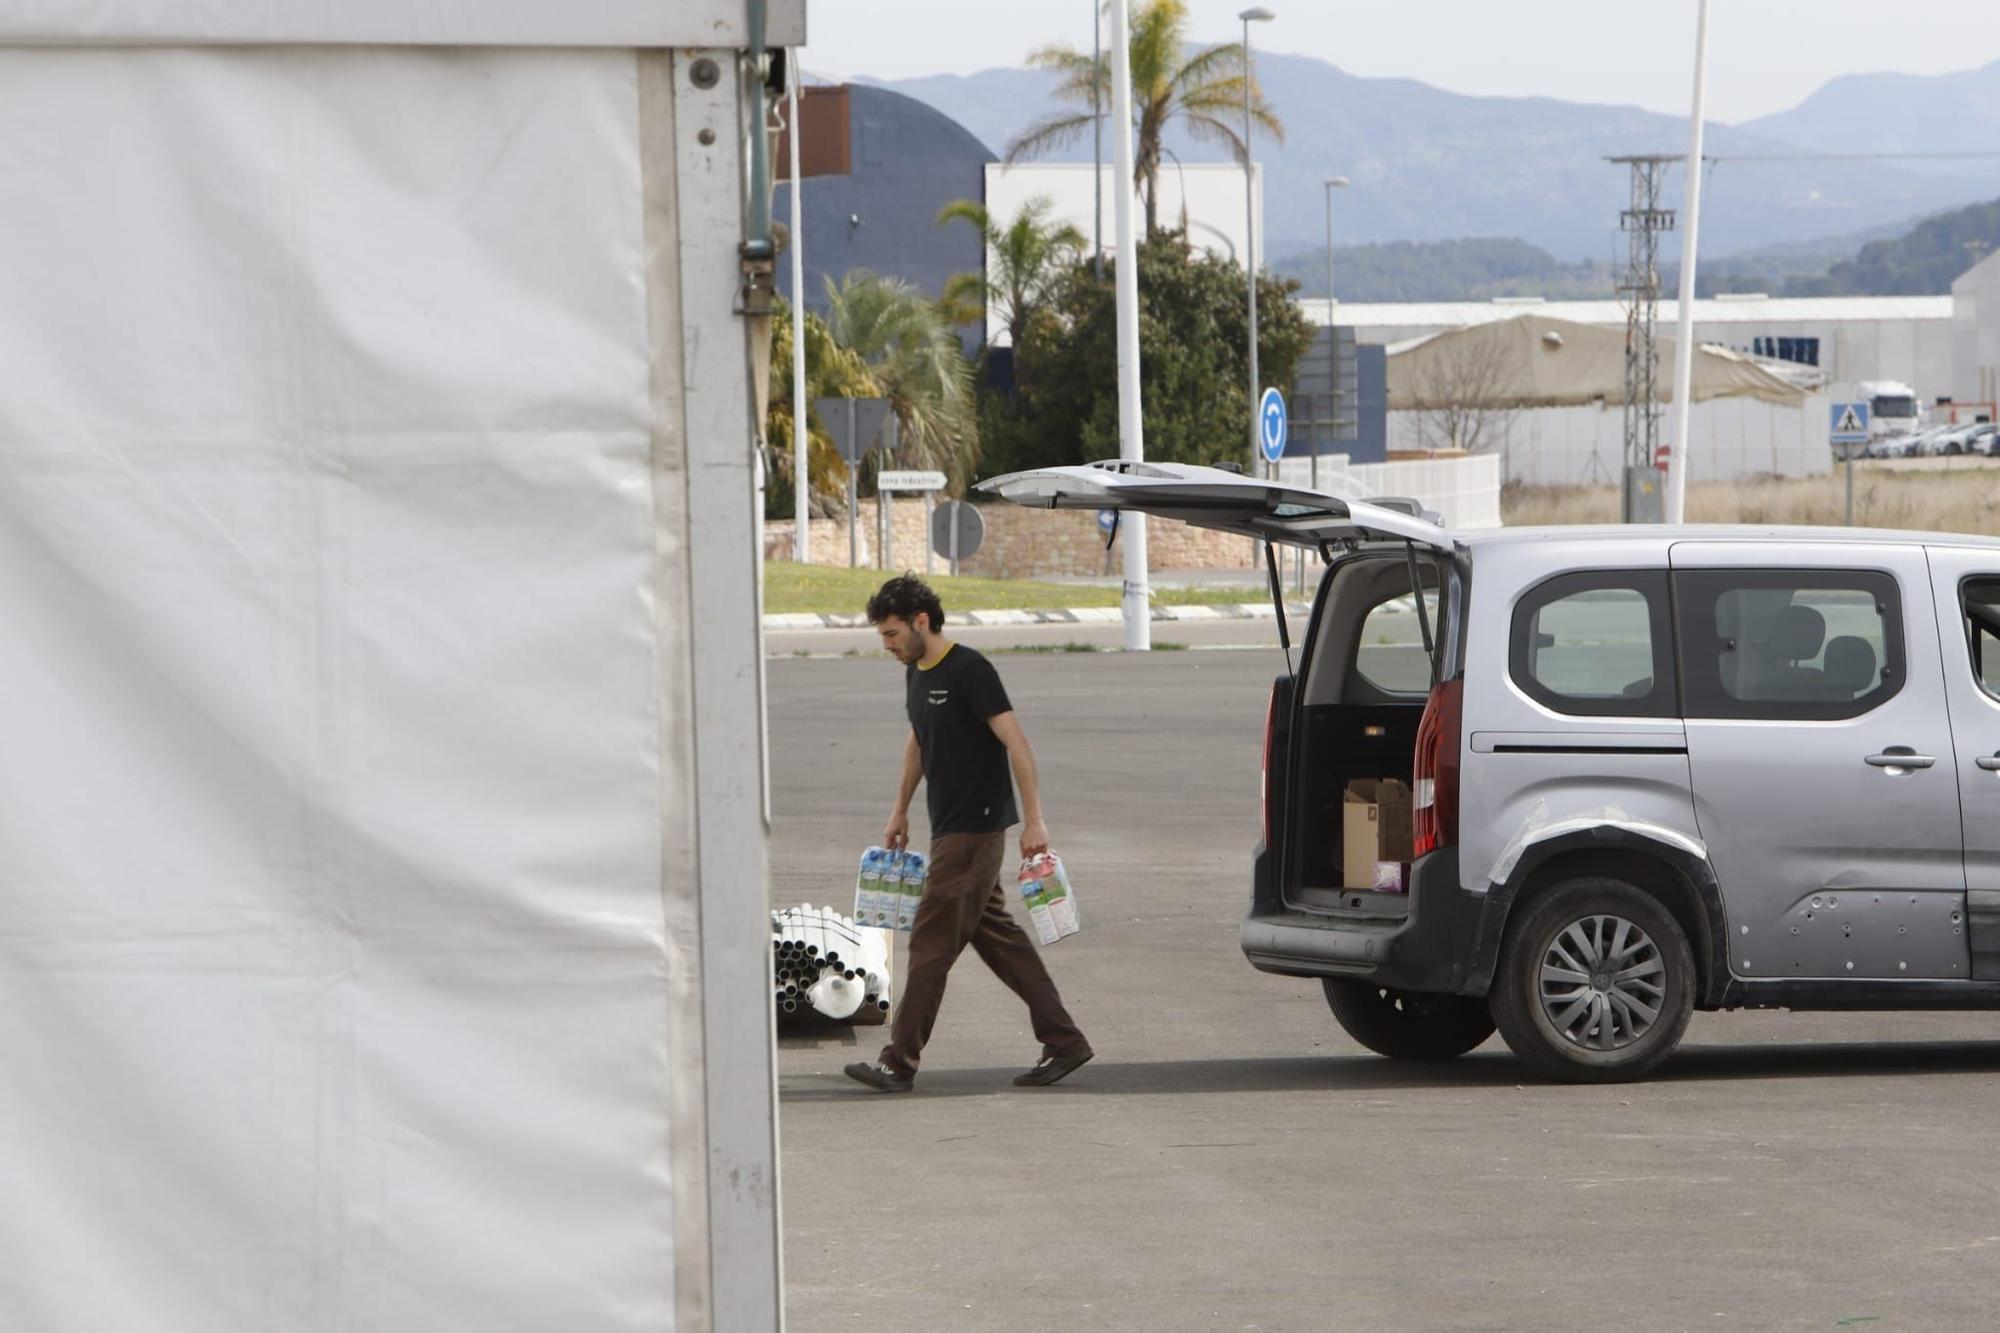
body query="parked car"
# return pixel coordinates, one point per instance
(1954, 440)
(1908, 445)
(1926, 443)
(1985, 439)
(1655, 769)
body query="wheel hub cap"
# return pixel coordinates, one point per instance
(1603, 983)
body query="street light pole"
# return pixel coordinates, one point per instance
(1097, 138)
(801, 462)
(1332, 336)
(1256, 14)
(1677, 461)
(1137, 599)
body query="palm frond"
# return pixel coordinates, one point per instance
(967, 210)
(1209, 130)
(1212, 65)
(1054, 131)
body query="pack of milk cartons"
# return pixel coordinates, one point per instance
(1048, 898)
(889, 887)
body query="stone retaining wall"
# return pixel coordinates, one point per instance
(1020, 543)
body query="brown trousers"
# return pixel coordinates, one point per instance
(965, 903)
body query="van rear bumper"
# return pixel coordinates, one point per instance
(1429, 947)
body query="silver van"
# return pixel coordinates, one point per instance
(1654, 769)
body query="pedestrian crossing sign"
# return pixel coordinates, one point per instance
(1850, 423)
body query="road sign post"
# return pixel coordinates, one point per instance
(1849, 435)
(854, 423)
(957, 531)
(1272, 426)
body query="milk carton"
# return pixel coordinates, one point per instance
(892, 891)
(913, 870)
(916, 873)
(1061, 901)
(1048, 898)
(1037, 908)
(868, 887)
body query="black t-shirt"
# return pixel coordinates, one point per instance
(969, 787)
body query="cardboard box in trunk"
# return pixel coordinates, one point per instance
(1375, 837)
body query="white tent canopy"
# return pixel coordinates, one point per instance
(378, 564)
(1532, 360)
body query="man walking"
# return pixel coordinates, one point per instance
(963, 740)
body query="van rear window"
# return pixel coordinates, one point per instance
(1596, 644)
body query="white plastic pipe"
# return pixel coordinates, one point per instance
(1677, 461)
(1131, 428)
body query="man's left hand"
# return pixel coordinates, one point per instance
(1034, 839)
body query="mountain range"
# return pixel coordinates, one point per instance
(1428, 164)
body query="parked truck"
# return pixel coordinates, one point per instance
(1893, 408)
(383, 934)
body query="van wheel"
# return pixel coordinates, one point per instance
(1595, 983)
(1408, 1025)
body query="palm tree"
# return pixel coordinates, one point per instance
(1024, 261)
(913, 355)
(1204, 94)
(831, 372)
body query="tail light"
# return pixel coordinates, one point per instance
(1264, 793)
(1434, 789)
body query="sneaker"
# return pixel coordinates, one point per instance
(884, 1079)
(1052, 1069)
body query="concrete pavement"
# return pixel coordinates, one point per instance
(1231, 1160)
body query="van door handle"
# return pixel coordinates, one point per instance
(1901, 759)
(1989, 762)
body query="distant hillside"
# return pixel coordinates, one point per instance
(1912, 259)
(1431, 165)
(1895, 113)
(1921, 263)
(1472, 268)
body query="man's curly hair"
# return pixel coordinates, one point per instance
(903, 597)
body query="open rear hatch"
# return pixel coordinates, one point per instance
(1210, 497)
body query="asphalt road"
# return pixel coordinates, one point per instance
(1232, 1161)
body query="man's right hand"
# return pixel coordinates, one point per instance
(897, 835)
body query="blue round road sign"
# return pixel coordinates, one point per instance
(1271, 425)
(1107, 519)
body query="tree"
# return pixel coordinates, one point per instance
(1460, 394)
(832, 371)
(910, 351)
(1024, 262)
(1192, 356)
(1203, 93)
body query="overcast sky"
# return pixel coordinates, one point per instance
(1764, 55)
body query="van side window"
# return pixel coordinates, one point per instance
(1980, 601)
(1596, 644)
(1788, 644)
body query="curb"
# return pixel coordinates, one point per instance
(1076, 615)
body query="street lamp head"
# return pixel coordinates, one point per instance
(1337, 182)
(1257, 14)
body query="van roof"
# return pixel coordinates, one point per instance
(1741, 532)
